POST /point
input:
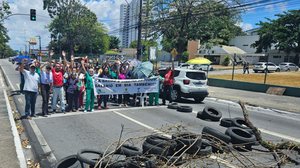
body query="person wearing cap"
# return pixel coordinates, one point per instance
(31, 87)
(46, 86)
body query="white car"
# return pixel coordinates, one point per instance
(264, 66)
(287, 66)
(203, 67)
(188, 83)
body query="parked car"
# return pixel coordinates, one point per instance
(188, 83)
(10, 58)
(19, 58)
(262, 66)
(203, 67)
(288, 66)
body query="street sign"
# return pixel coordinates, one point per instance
(174, 52)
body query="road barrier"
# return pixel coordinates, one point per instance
(255, 87)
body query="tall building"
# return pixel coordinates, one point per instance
(129, 17)
(124, 25)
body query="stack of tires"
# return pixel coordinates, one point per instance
(241, 135)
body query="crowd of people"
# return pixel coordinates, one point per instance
(70, 84)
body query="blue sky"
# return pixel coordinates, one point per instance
(107, 11)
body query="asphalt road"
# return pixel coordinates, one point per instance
(65, 134)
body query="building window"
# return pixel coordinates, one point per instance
(245, 45)
(212, 51)
(276, 56)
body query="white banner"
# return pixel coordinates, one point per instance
(128, 86)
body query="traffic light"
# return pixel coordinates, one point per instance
(32, 15)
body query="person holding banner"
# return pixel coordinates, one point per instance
(155, 96)
(123, 98)
(104, 98)
(89, 87)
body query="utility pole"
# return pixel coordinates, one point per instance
(139, 42)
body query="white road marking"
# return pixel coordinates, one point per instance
(17, 141)
(280, 135)
(155, 130)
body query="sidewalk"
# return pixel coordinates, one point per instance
(285, 103)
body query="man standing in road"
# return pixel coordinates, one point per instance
(31, 87)
(168, 84)
(246, 67)
(58, 90)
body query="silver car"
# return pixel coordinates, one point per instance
(288, 66)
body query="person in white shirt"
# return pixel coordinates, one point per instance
(31, 88)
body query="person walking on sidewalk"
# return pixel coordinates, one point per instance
(46, 86)
(58, 90)
(89, 87)
(31, 88)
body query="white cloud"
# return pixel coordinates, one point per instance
(245, 26)
(276, 7)
(21, 28)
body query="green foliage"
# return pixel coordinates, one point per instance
(206, 20)
(185, 56)
(5, 50)
(114, 42)
(75, 28)
(226, 61)
(283, 33)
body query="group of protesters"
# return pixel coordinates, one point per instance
(70, 82)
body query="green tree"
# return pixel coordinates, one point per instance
(283, 33)
(207, 20)
(114, 42)
(5, 50)
(75, 27)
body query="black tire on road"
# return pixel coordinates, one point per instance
(199, 99)
(187, 140)
(239, 122)
(186, 109)
(172, 105)
(215, 133)
(161, 141)
(226, 122)
(128, 150)
(152, 149)
(212, 113)
(68, 162)
(240, 136)
(200, 115)
(90, 162)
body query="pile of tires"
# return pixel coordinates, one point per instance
(241, 135)
(176, 106)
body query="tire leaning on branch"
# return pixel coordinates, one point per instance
(128, 150)
(90, 162)
(187, 141)
(240, 136)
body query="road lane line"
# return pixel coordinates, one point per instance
(17, 141)
(280, 135)
(273, 133)
(167, 135)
